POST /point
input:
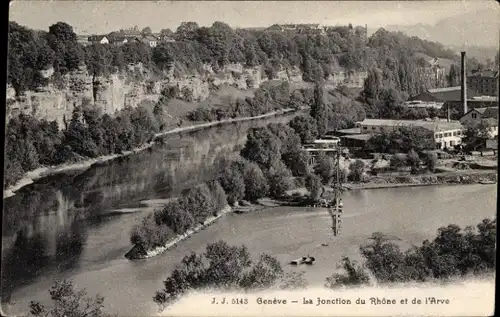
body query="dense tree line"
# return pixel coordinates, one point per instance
(193, 207)
(391, 54)
(31, 143)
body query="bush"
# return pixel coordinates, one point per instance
(314, 186)
(398, 161)
(149, 234)
(220, 198)
(453, 253)
(354, 275)
(255, 182)
(356, 170)
(222, 267)
(176, 216)
(430, 160)
(69, 302)
(413, 161)
(279, 180)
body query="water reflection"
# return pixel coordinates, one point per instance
(46, 224)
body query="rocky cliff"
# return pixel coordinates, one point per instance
(135, 84)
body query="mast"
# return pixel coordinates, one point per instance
(335, 206)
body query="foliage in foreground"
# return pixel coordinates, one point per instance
(221, 266)
(68, 302)
(453, 253)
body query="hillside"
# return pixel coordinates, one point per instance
(463, 30)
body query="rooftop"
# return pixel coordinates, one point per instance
(350, 131)
(434, 126)
(451, 93)
(149, 38)
(485, 73)
(361, 137)
(318, 141)
(490, 112)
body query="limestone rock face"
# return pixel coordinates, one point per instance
(135, 84)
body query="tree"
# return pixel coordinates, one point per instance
(176, 217)
(232, 180)
(187, 31)
(199, 201)
(325, 167)
(398, 161)
(431, 161)
(319, 110)
(356, 170)
(305, 126)
(263, 274)
(313, 185)
(166, 32)
(384, 259)
(221, 267)
(262, 147)
(63, 41)
(298, 162)
(413, 161)
(475, 136)
(69, 302)
(255, 182)
(453, 76)
(354, 275)
(146, 31)
(278, 176)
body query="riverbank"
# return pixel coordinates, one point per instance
(447, 178)
(46, 171)
(138, 252)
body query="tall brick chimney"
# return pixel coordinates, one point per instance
(463, 74)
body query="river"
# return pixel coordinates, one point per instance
(78, 226)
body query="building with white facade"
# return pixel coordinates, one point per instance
(101, 39)
(445, 134)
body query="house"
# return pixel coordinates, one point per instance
(298, 28)
(419, 104)
(328, 145)
(118, 39)
(148, 40)
(474, 116)
(484, 81)
(445, 134)
(487, 116)
(98, 39)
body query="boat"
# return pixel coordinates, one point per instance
(303, 260)
(486, 182)
(310, 260)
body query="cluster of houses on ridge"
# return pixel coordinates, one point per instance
(151, 40)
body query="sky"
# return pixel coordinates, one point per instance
(94, 17)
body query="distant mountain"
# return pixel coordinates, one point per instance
(466, 30)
